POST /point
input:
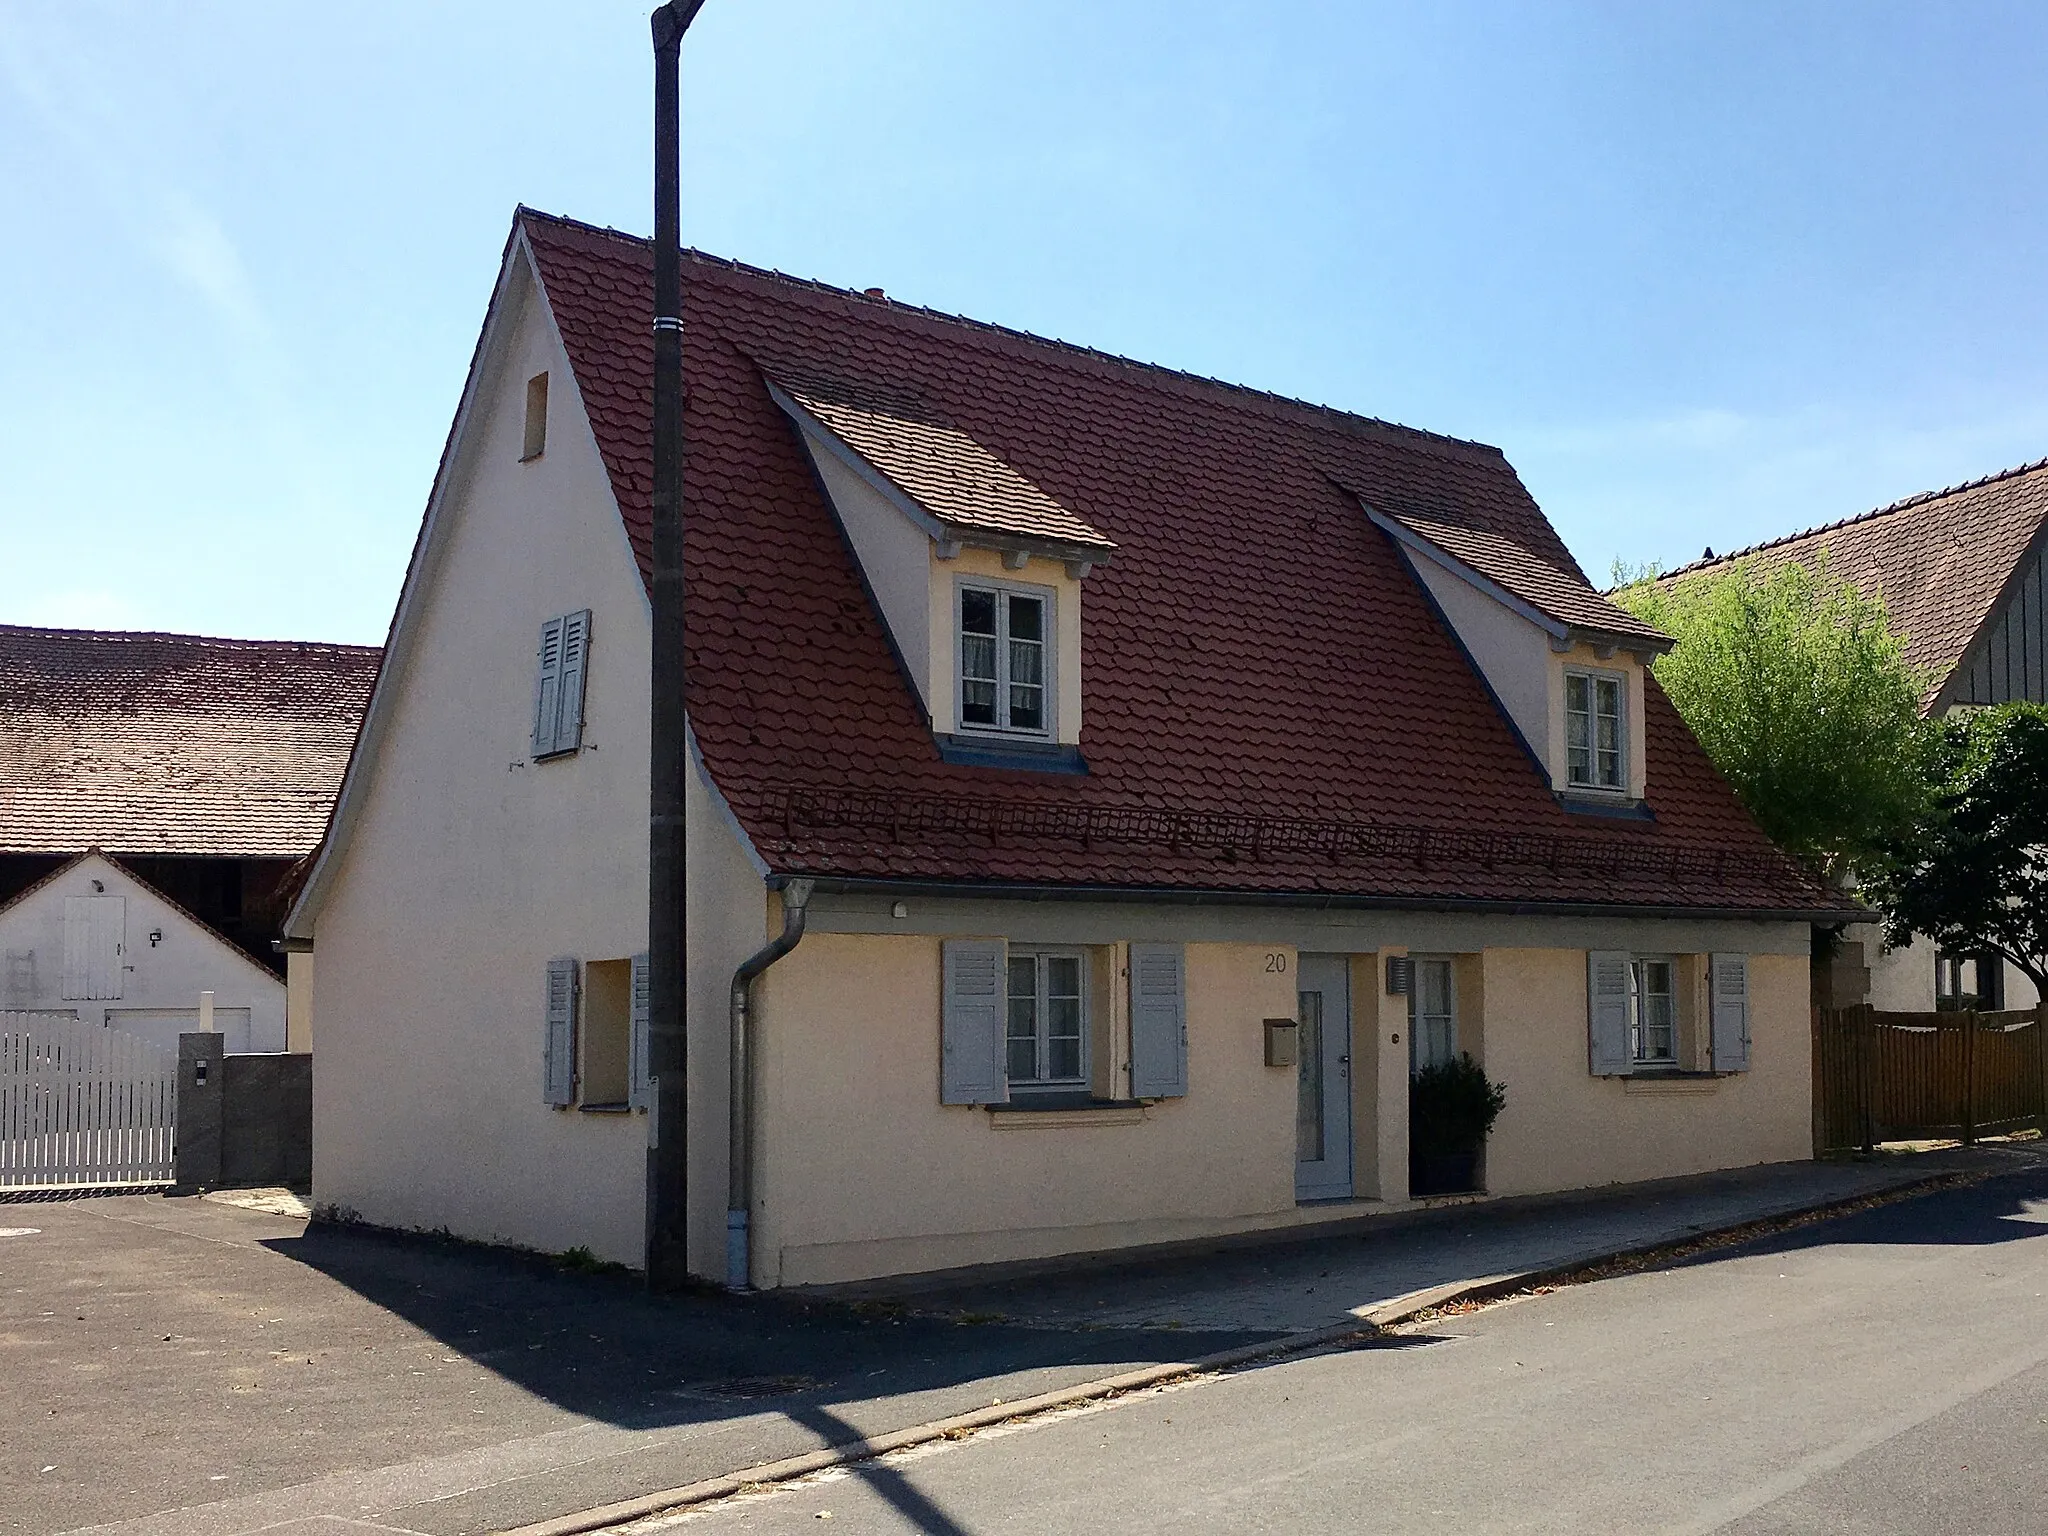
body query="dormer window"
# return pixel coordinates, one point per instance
(1595, 742)
(1003, 647)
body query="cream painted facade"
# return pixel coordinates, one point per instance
(468, 865)
(163, 959)
(461, 866)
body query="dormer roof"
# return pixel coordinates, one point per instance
(1555, 598)
(963, 491)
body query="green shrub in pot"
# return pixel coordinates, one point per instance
(1451, 1108)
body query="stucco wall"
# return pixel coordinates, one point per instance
(1512, 654)
(863, 1172)
(160, 982)
(468, 865)
(1566, 1129)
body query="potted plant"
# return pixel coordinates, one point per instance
(1451, 1107)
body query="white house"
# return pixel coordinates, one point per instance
(94, 941)
(1114, 784)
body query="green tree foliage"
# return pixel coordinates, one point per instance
(1801, 694)
(1974, 874)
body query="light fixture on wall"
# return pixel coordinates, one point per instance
(99, 886)
(156, 937)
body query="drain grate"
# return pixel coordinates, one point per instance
(748, 1389)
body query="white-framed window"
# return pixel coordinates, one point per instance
(1432, 1014)
(1595, 735)
(1005, 658)
(1653, 1011)
(1046, 1022)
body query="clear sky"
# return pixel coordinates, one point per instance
(1708, 272)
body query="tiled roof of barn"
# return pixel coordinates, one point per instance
(1941, 559)
(1272, 706)
(173, 744)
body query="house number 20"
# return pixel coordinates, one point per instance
(1276, 964)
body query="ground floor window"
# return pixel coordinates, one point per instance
(1432, 1014)
(1047, 1028)
(1653, 1011)
(1968, 981)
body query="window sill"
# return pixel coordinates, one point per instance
(994, 751)
(1593, 802)
(606, 1109)
(1662, 1082)
(1052, 1111)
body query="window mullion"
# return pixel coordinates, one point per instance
(1003, 696)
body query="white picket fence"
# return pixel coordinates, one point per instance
(83, 1105)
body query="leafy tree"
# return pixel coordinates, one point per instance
(1974, 874)
(1801, 694)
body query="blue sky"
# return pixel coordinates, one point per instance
(1707, 272)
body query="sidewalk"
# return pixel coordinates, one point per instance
(1378, 1264)
(194, 1368)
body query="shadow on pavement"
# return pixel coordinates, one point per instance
(601, 1346)
(2005, 1208)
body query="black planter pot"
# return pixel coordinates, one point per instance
(1443, 1173)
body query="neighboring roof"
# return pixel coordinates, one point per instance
(173, 744)
(952, 477)
(1941, 559)
(27, 892)
(1563, 597)
(1272, 706)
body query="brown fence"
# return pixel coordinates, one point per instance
(1905, 1076)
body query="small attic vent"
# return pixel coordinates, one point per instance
(536, 441)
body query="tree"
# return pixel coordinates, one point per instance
(1801, 694)
(1973, 875)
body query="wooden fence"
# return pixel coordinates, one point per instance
(1910, 1076)
(82, 1105)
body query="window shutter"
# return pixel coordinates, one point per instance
(640, 1084)
(559, 1064)
(972, 1070)
(547, 688)
(1607, 1008)
(1729, 975)
(1159, 1021)
(575, 655)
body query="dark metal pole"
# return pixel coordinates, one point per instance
(667, 834)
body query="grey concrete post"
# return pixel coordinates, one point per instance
(202, 1081)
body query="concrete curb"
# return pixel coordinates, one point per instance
(1386, 1315)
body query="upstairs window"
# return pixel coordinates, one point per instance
(1004, 633)
(534, 442)
(1047, 1027)
(1593, 735)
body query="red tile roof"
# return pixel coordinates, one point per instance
(1941, 559)
(1271, 704)
(173, 744)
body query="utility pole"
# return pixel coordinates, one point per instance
(667, 830)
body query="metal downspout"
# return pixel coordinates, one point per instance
(739, 1201)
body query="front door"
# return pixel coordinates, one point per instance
(1322, 1168)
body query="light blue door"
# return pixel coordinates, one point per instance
(1322, 1168)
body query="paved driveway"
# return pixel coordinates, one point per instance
(185, 1368)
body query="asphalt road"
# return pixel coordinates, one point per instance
(1881, 1373)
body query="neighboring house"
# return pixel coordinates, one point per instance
(1960, 572)
(207, 767)
(1093, 717)
(93, 940)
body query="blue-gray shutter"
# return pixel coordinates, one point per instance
(1159, 1021)
(1728, 977)
(972, 1069)
(575, 657)
(1607, 981)
(640, 1085)
(558, 1072)
(547, 688)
